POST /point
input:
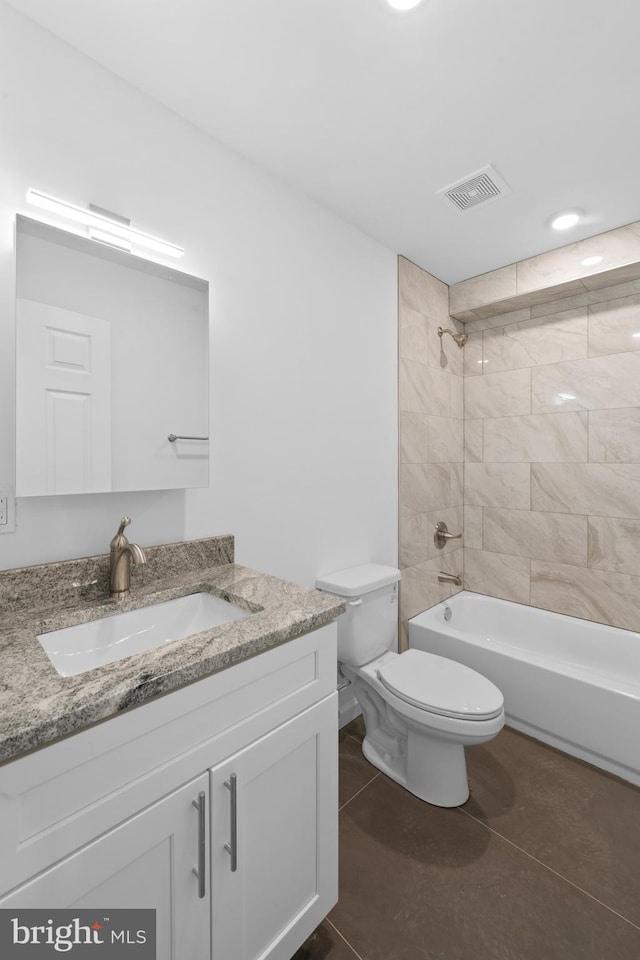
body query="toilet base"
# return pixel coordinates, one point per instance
(437, 768)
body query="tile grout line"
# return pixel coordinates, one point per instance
(351, 947)
(550, 869)
(352, 737)
(374, 777)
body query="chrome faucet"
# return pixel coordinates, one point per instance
(122, 554)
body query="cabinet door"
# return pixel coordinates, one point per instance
(281, 794)
(147, 861)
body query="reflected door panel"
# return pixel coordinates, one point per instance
(63, 387)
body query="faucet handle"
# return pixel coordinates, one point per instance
(442, 535)
(120, 540)
(123, 523)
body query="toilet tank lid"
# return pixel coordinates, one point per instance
(355, 581)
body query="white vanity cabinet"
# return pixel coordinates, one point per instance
(113, 816)
(145, 862)
(271, 817)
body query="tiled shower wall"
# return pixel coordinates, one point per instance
(552, 456)
(431, 441)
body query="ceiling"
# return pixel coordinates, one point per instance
(370, 111)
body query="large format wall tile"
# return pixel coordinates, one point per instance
(456, 385)
(614, 327)
(533, 342)
(596, 383)
(419, 586)
(473, 519)
(412, 334)
(431, 389)
(446, 443)
(497, 485)
(566, 264)
(417, 542)
(574, 425)
(473, 440)
(414, 437)
(614, 545)
(593, 489)
(543, 536)
(424, 487)
(473, 355)
(422, 292)
(612, 598)
(541, 437)
(498, 394)
(424, 389)
(457, 484)
(559, 306)
(487, 288)
(599, 294)
(488, 323)
(501, 576)
(614, 435)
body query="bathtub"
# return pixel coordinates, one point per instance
(572, 683)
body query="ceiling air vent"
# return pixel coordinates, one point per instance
(480, 187)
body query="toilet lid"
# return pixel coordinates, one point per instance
(441, 686)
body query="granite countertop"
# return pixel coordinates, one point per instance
(37, 706)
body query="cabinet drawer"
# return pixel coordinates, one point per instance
(61, 797)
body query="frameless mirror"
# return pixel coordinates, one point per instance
(111, 360)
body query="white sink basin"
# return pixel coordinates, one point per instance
(86, 646)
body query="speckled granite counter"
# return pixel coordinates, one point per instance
(37, 706)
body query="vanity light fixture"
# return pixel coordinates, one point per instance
(565, 221)
(109, 228)
(403, 4)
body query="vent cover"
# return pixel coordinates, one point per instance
(480, 187)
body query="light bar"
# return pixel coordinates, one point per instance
(91, 219)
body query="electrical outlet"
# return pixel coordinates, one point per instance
(7, 512)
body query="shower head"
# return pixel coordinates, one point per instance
(460, 338)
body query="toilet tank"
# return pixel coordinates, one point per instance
(370, 625)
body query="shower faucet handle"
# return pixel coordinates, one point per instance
(442, 536)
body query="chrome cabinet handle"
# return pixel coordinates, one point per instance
(200, 805)
(232, 846)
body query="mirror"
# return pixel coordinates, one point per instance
(112, 358)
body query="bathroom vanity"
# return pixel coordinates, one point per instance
(214, 801)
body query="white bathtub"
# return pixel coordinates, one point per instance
(569, 682)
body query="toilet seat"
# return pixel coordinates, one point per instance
(440, 686)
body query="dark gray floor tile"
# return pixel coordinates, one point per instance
(576, 819)
(421, 883)
(355, 729)
(355, 771)
(324, 944)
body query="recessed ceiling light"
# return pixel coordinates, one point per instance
(403, 4)
(591, 261)
(564, 221)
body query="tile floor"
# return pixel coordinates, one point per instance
(541, 863)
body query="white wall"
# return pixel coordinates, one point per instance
(303, 326)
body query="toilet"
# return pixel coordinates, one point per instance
(420, 710)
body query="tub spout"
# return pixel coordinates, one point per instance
(449, 578)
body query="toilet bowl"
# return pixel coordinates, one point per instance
(420, 710)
